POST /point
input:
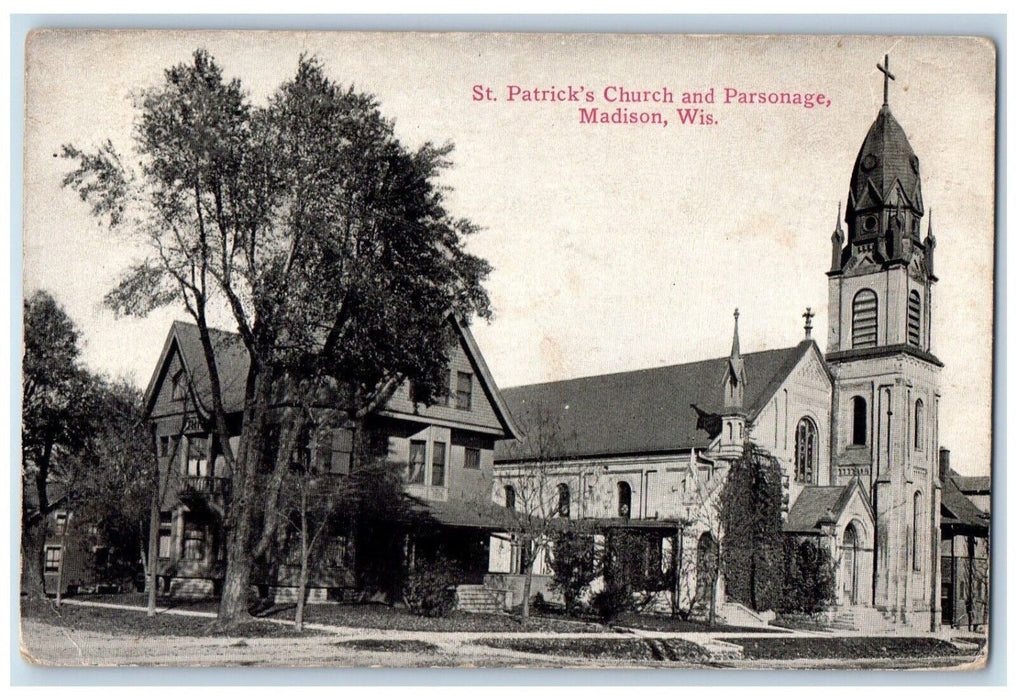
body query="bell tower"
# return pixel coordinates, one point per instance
(879, 349)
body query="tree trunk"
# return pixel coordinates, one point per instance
(524, 613)
(33, 541)
(304, 556)
(233, 605)
(153, 549)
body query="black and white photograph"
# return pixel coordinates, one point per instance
(497, 350)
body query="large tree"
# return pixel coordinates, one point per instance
(323, 236)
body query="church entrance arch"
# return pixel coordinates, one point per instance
(849, 564)
(706, 567)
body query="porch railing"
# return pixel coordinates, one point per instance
(207, 485)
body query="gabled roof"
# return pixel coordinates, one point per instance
(233, 362)
(644, 411)
(958, 510)
(816, 504)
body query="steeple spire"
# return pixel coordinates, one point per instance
(735, 347)
(837, 243)
(734, 376)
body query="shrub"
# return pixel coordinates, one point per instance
(573, 563)
(429, 590)
(809, 578)
(611, 602)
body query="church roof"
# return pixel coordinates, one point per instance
(884, 160)
(816, 504)
(645, 411)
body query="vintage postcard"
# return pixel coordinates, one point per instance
(507, 350)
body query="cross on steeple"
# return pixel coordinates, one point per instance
(808, 316)
(887, 77)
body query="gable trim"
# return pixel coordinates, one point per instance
(487, 380)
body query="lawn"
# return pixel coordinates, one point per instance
(844, 647)
(136, 622)
(660, 623)
(377, 616)
(587, 648)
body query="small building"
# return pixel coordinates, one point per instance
(965, 548)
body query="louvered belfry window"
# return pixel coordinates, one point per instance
(864, 323)
(914, 319)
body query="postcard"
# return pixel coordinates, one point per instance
(356, 349)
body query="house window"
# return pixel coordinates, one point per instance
(510, 497)
(805, 451)
(860, 423)
(624, 500)
(864, 319)
(417, 465)
(564, 500)
(919, 418)
(165, 535)
(464, 391)
(61, 523)
(179, 390)
(914, 319)
(916, 558)
(334, 451)
(194, 542)
(197, 456)
(438, 464)
(53, 557)
(472, 460)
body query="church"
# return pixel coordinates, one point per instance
(854, 428)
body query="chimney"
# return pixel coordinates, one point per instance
(944, 462)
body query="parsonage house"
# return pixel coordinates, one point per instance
(854, 428)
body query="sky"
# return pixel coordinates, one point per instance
(614, 246)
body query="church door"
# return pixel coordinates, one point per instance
(850, 565)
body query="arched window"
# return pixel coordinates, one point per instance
(914, 319)
(624, 500)
(860, 421)
(864, 319)
(805, 451)
(564, 498)
(919, 419)
(916, 536)
(510, 497)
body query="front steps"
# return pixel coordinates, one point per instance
(862, 618)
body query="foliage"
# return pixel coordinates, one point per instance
(429, 590)
(752, 544)
(809, 577)
(84, 448)
(305, 220)
(574, 566)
